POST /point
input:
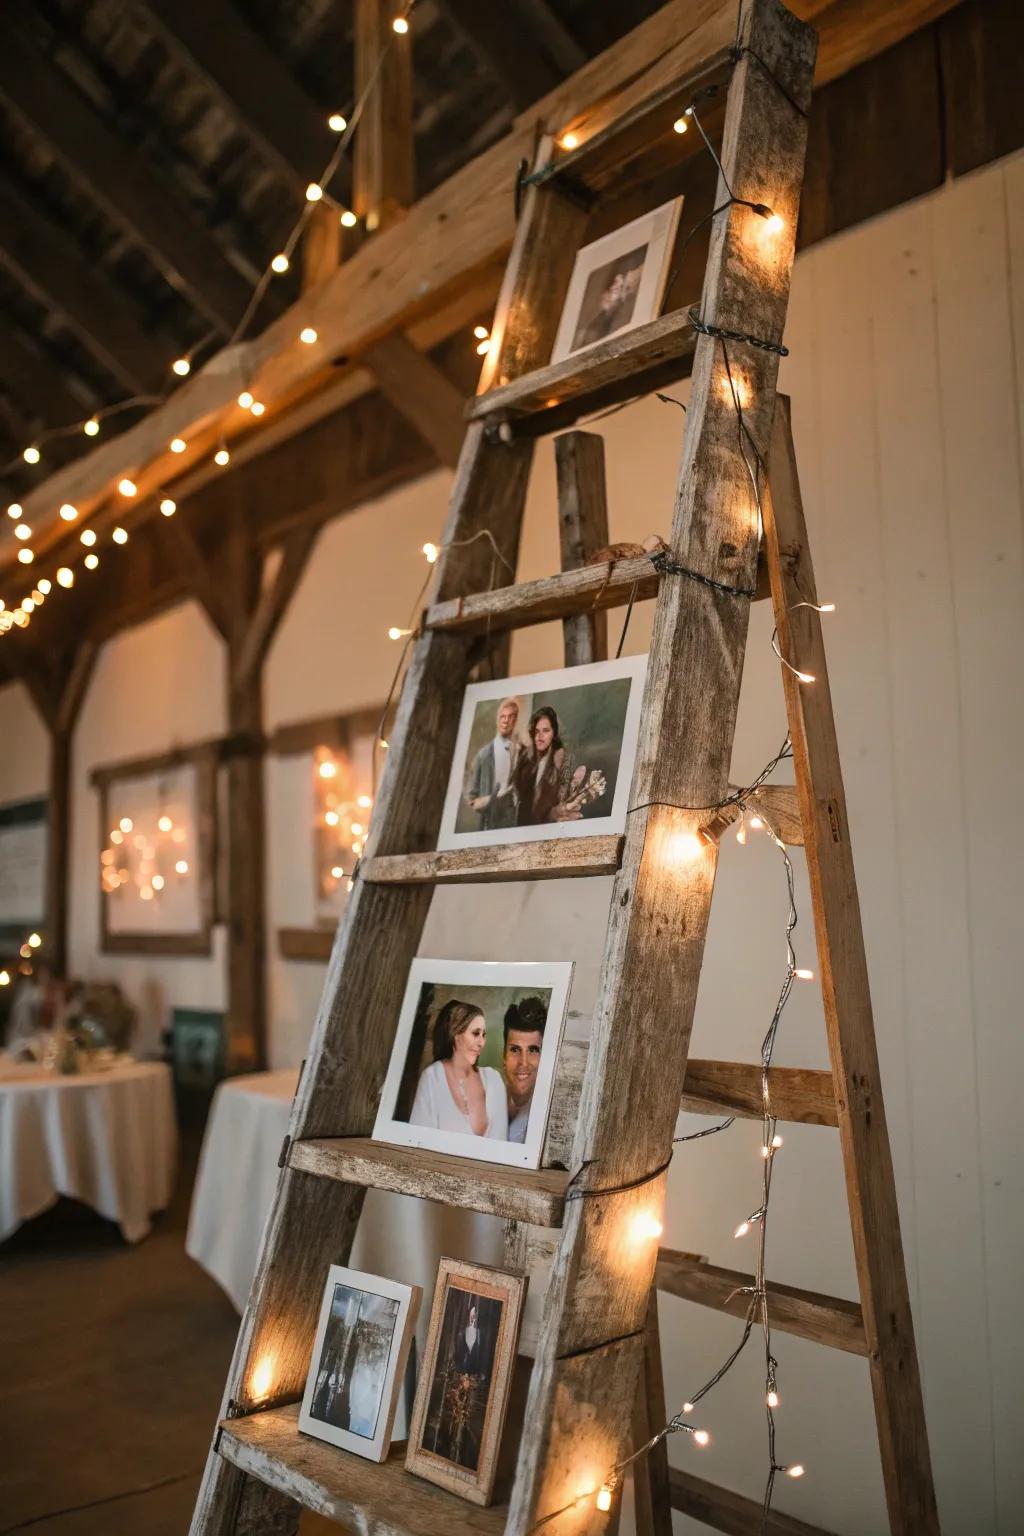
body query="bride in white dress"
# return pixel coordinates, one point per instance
(454, 1094)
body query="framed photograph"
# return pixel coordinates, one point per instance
(546, 755)
(618, 282)
(463, 1388)
(474, 1059)
(362, 1343)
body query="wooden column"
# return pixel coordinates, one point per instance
(582, 531)
(384, 173)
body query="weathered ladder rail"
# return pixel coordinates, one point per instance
(579, 1419)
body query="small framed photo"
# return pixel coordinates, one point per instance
(474, 1058)
(463, 1389)
(546, 755)
(362, 1343)
(618, 282)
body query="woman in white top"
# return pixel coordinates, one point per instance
(454, 1094)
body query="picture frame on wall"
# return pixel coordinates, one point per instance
(463, 1390)
(473, 1064)
(618, 282)
(548, 754)
(359, 1355)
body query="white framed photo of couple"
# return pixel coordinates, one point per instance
(618, 282)
(362, 1344)
(546, 755)
(473, 1063)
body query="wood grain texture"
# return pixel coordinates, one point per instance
(846, 996)
(724, 1510)
(305, 943)
(798, 1094)
(810, 1315)
(583, 530)
(557, 859)
(534, 1195)
(651, 1492)
(383, 183)
(426, 397)
(595, 587)
(366, 1498)
(661, 897)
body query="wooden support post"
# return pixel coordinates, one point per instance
(427, 399)
(583, 530)
(651, 1492)
(384, 170)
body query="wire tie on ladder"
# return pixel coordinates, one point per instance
(721, 334)
(666, 566)
(284, 1152)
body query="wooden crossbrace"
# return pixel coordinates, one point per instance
(598, 1314)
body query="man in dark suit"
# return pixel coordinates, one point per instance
(489, 790)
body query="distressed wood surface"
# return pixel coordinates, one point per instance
(534, 1195)
(652, 1497)
(305, 943)
(366, 1498)
(661, 896)
(608, 584)
(383, 178)
(846, 997)
(426, 397)
(822, 1319)
(724, 1510)
(583, 530)
(630, 363)
(557, 859)
(803, 1095)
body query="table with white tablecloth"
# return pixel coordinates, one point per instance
(107, 1138)
(238, 1175)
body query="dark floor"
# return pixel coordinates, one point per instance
(112, 1362)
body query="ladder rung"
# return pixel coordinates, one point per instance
(726, 1511)
(632, 363)
(360, 1495)
(536, 1195)
(800, 1094)
(822, 1319)
(556, 859)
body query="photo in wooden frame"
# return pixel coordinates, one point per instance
(545, 755)
(355, 1374)
(463, 1390)
(618, 282)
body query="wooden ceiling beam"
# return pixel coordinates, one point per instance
(556, 39)
(39, 387)
(129, 190)
(45, 263)
(498, 36)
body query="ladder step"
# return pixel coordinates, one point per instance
(631, 363)
(726, 1511)
(822, 1319)
(557, 859)
(376, 1499)
(802, 1095)
(536, 1195)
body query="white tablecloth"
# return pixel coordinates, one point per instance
(108, 1139)
(237, 1176)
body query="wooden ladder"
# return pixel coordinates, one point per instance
(589, 1358)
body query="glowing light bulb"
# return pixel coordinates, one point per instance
(481, 332)
(177, 445)
(805, 677)
(646, 1227)
(14, 510)
(308, 335)
(742, 1229)
(776, 1142)
(775, 223)
(314, 192)
(483, 347)
(46, 586)
(280, 263)
(826, 607)
(383, 743)
(701, 1437)
(222, 457)
(348, 219)
(168, 507)
(802, 974)
(337, 123)
(400, 25)
(119, 536)
(327, 769)
(127, 487)
(741, 833)
(158, 882)
(25, 555)
(91, 427)
(31, 454)
(68, 512)
(680, 125)
(336, 871)
(394, 633)
(569, 141)
(23, 531)
(331, 818)
(687, 1407)
(5, 978)
(604, 1497)
(796, 1470)
(365, 802)
(126, 824)
(257, 408)
(66, 576)
(91, 562)
(357, 827)
(773, 1399)
(117, 836)
(181, 867)
(88, 537)
(165, 823)
(181, 366)
(684, 847)
(146, 892)
(27, 605)
(431, 551)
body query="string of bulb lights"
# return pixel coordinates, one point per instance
(344, 125)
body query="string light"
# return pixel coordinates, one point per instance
(245, 399)
(14, 510)
(88, 536)
(394, 633)
(328, 769)
(364, 802)
(27, 605)
(25, 555)
(45, 586)
(803, 975)
(91, 561)
(91, 427)
(23, 531)
(431, 551)
(280, 263)
(680, 125)
(68, 512)
(65, 576)
(257, 408)
(119, 536)
(569, 141)
(222, 456)
(400, 25)
(337, 123)
(314, 192)
(182, 366)
(604, 1497)
(31, 454)
(127, 487)
(308, 335)
(348, 219)
(181, 867)
(168, 507)
(177, 445)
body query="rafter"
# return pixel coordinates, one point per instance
(129, 190)
(507, 47)
(38, 385)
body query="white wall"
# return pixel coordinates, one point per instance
(907, 378)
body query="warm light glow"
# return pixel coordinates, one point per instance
(222, 457)
(481, 332)
(257, 408)
(314, 192)
(741, 832)
(332, 818)
(701, 1437)
(280, 262)
(117, 836)
(119, 536)
(31, 454)
(742, 1229)
(181, 366)
(776, 1142)
(165, 823)
(68, 512)
(146, 892)
(773, 1399)
(604, 1497)
(262, 1378)
(805, 677)
(328, 769)
(400, 25)
(680, 125)
(687, 1407)
(88, 537)
(645, 1227)
(178, 445)
(684, 847)
(775, 223)
(168, 507)
(348, 219)
(336, 123)
(308, 335)
(46, 586)
(826, 607)
(181, 867)
(568, 141)
(126, 824)
(364, 802)
(383, 743)
(23, 531)
(483, 347)
(802, 974)
(127, 487)
(158, 882)
(796, 1470)
(5, 978)
(394, 633)
(14, 510)
(27, 605)
(66, 576)
(431, 551)
(735, 390)
(25, 556)
(91, 427)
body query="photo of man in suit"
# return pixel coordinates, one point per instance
(489, 789)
